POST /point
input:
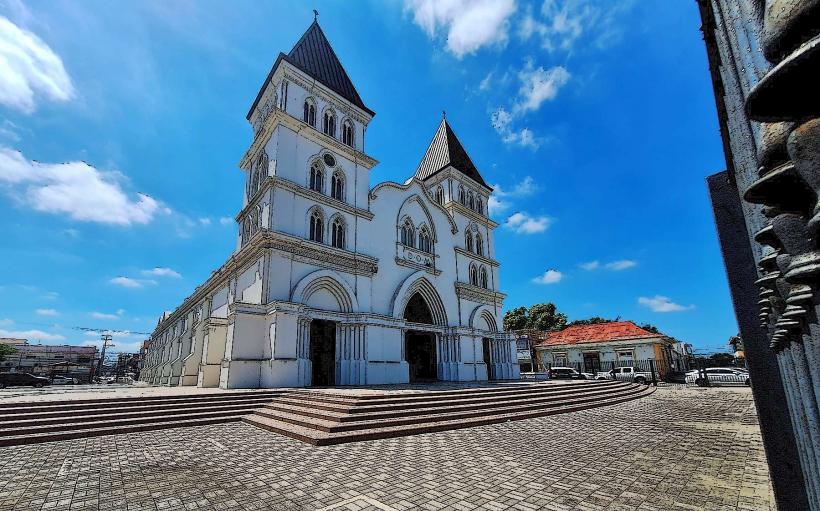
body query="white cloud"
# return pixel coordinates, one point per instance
(523, 223)
(660, 303)
(539, 85)
(485, 83)
(162, 272)
(470, 24)
(47, 312)
(8, 130)
(524, 188)
(623, 264)
(561, 24)
(549, 277)
(501, 121)
(75, 189)
(50, 295)
(6, 321)
(103, 315)
(29, 68)
(205, 221)
(591, 265)
(225, 220)
(131, 283)
(31, 334)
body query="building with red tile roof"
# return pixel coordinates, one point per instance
(591, 348)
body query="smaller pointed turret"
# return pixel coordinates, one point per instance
(446, 150)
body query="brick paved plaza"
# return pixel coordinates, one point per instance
(678, 449)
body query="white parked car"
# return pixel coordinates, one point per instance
(632, 374)
(720, 376)
(64, 380)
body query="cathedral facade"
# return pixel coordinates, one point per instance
(334, 282)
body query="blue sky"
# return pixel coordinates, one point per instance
(121, 126)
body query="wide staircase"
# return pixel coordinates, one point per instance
(326, 417)
(30, 423)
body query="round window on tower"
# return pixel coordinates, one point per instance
(330, 161)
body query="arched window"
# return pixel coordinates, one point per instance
(479, 244)
(408, 233)
(254, 221)
(317, 177)
(440, 195)
(483, 277)
(329, 124)
(473, 275)
(470, 200)
(283, 95)
(479, 205)
(461, 197)
(337, 233)
(468, 241)
(246, 230)
(425, 244)
(316, 226)
(309, 113)
(347, 133)
(254, 178)
(261, 169)
(337, 186)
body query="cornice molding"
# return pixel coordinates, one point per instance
(471, 255)
(472, 215)
(479, 294)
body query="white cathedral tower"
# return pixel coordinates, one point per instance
(332, 282)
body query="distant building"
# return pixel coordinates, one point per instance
(46, 360)
(593, 347)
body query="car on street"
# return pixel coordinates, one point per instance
(64, 380)
(719, 376)
(569, 373)
(625, 374)
(22, 380)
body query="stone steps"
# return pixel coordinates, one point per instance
(358, 412)
(358, 419)
(27, 423)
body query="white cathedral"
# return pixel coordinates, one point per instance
(334, 282)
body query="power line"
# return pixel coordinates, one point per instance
(82, 328)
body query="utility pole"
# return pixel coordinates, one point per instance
(106, 339)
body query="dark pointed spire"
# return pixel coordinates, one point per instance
(446, 150)
(313, 55)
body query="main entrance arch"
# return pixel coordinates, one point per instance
(323, 352)
(420, 345)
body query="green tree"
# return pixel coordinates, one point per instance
(545, 317)
(516, 319)
(650, 328)
(594, 320)
(6, 350)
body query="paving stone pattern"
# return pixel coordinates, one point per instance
(678, 449)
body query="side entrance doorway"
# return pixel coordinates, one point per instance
(592, 363)
(486, 344)
(323, 352)
(421, 356)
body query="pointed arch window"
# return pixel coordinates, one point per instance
(317, 177)
(425, 243)
(468, 241)
(283, 95)
(329, 124)
(337, 185)
(479, 205)
(473, 275)
(470, 200)
(347, 133)
(309, 113)
(482, 277)
(254, 181)
(462, 198)
(479, 244)
(440, 195)
(408, 233)
(337, 233)
(316, 226)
